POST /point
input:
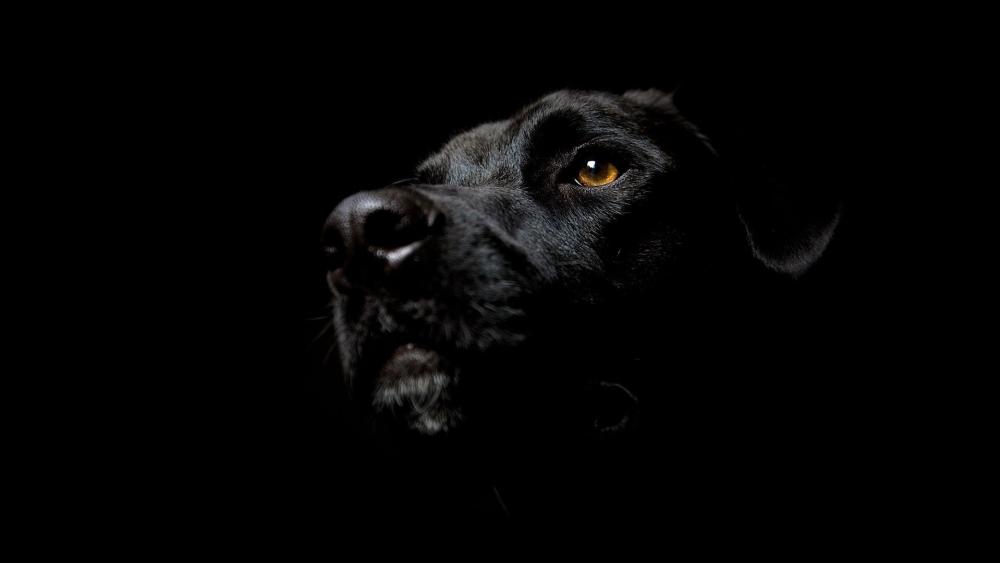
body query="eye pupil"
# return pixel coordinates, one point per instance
(596, 173)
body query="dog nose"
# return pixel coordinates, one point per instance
(376, 231)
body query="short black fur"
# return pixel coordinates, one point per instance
(552, 311)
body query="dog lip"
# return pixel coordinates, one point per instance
(409, 360)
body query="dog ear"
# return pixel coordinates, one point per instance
(788, 230)
(788, 226)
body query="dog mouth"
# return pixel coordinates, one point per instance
(416, 386)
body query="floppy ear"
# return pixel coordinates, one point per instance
(788, 230)
(788, 224)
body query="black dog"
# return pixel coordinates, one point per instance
(543, 275)
(583, 204)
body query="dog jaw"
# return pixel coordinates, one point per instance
(415, 386)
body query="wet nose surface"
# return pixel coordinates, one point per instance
(377, 231)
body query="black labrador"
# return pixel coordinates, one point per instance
(588, 269)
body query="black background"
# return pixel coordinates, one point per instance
(185, 161)
(267, 129)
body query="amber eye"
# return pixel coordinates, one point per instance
(596, 173)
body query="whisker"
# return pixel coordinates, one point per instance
(326, 358)
(323, 332)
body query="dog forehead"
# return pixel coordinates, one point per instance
(578, 100)
(598, 108)
(493, 152)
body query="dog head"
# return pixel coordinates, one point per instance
(529, 256)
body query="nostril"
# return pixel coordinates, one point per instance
(388, 229)
(370, 235)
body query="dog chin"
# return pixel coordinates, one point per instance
(415, 387)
